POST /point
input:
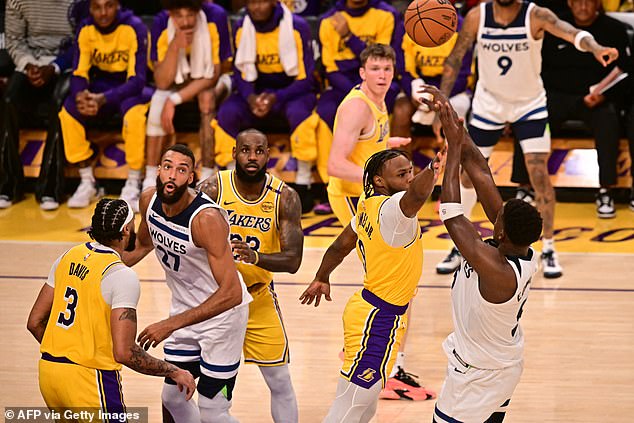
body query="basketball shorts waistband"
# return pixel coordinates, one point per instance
(382, 304)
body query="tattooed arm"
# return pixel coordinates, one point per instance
(291, 238)
(466, 39)
(543, 19)
(128, 353)
(210, 187)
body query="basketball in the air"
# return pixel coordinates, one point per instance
(430, 23)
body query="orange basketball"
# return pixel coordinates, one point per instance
(430, 23)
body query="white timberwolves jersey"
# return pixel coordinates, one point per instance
(186, 266)
(487, 335)
(509, 58)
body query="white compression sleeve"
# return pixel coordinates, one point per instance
(353, 403)
(182, 411)
(215, 410)
(283, 400)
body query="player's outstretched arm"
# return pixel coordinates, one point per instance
(127, 352)
(40, 313)
(143, 244)
(466, 40)
(421, 187)
(210, 231)
(546, 20)
(333, 257)
(351, 118)
(291, 238)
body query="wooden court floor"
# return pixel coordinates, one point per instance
(579, 328)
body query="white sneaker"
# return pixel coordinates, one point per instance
(450, 263)
(85, 193)
(49, 204)
(605, 205)
(550, 265)
(526, 195)
(5, 203)
(131, 193)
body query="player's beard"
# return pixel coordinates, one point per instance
(171, 198)
(131, 242)
(250, 178)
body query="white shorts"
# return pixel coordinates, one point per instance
(154, 128)
(471, 395)
(491, 113)
(217, 344)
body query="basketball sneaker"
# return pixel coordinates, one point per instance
(49, 204)
(605, 205)
(550, 265)
(632, 202)
(323, 209)
(403, 385)
(131, 193)
(450, 263)
(527, 195)
(83, 195)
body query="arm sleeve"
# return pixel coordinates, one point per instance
(396, 228)
(303, 82)
(51, 275)
(120, 287)
(137, 67)
(353, 223)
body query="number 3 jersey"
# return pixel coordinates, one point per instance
(487, 335)
(509, 58)
(254, 222)
(187, 269)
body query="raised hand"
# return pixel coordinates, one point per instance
(314, 292)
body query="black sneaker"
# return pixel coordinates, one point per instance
(605, 205)
(450, 263)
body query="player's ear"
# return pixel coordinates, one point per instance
(233, 153)
(362, 73)
(378, 181)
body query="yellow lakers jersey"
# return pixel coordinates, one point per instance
(366, 146)
(426, 62)
(254, 222)
(79, 325)
(391, 273)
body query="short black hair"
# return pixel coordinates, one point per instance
(107, 220)
(182, 4)
(374, 166)
(522, 222)
(185, 151)
(381, 51)
(251, 131)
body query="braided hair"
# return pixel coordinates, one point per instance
(522, 222)
(374, 166)
(107, 220)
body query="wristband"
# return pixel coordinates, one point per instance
(450, 210)
(176, 98)
(257, 257)
(580, 36)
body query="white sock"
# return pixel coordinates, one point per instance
(548, 244)
(214, 410)
(134, 175)
(283, 400)
(86, 175)
(353, 403)
(468, 198)
(400, 362)
(304, 173)
(182, 411)
(206, 172)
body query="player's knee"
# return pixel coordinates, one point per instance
(209, 386)
(169, 400)
(278, 379)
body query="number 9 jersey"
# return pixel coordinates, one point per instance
(254, 222)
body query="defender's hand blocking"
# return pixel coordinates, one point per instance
(452, 125)
(315, 291)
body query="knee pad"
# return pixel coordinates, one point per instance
(209, 386)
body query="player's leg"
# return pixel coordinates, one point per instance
(233, 116)
(534, 138)
(353, 403)
(343, 207)
(303, 125)
(221, 350)
(183, 351)
(266, 345)
(155, 137)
